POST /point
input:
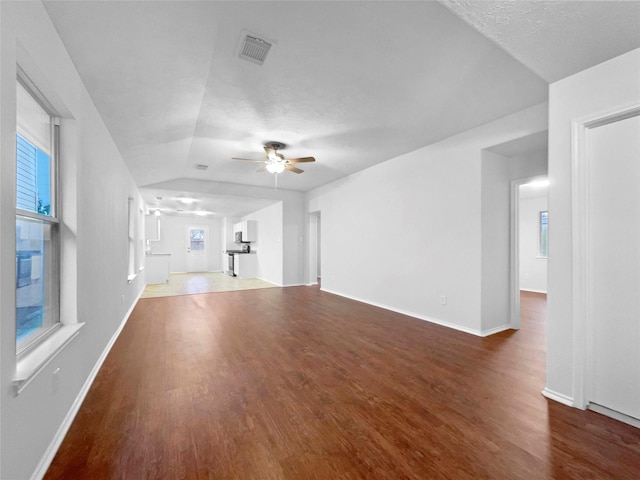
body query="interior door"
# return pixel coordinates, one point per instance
(614, 261)
(197, 248)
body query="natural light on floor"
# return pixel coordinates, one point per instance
(206, 282)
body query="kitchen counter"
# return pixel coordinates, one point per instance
(245, 265)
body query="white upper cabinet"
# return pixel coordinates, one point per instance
(249, 229)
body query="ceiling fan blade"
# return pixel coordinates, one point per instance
(263, 169)
(293, 169)
(248, 159)
(301, 160)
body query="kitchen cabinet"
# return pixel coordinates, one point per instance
(157, 267)
(245, 265)
(152, 228)
(249, 229)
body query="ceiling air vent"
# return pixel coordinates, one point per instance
(200, 166)
(254, 49)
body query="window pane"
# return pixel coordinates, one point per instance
(544, 234)
(197, 239)
(36, 278)
(33, 177)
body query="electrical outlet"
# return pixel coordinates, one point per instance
(443, 300)
(123, 298)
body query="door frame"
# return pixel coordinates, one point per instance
(583, 341)
(514, 249)
(313, 246)
(188, 246)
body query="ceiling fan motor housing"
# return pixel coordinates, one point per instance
(275, 145)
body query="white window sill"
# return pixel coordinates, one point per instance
(33, 362)
(538, 257)
(131, 277)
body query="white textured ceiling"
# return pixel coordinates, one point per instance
(555, 38)
(350, 83)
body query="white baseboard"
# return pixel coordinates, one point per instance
(621, 417)
(491, 331)
(53, 447)
(559, 397)
(418, 316)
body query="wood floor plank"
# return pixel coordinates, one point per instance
(295, 383)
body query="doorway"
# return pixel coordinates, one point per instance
(197, 248)
(529, 240)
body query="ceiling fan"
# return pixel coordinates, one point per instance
(275, 161)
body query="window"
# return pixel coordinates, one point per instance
(37, 222)
(543, 228)
(196, 237)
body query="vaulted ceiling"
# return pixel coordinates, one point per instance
(350, 83)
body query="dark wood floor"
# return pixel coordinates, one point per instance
(295, 383)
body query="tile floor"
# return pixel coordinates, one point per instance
(206, 282)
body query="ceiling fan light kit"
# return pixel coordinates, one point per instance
(275, 167)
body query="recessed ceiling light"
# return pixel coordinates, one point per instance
(187, 200)
(202, 213)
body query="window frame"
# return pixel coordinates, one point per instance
(541, 254)
(54, 219)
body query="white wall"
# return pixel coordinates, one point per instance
(173, 240)
(269, 245)
(406, 231)
(533, 269)
(294, 245)
(610, 85)
(96, 186)
(495, 242)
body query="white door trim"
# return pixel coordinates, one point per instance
(582, 319)
(312, 266)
